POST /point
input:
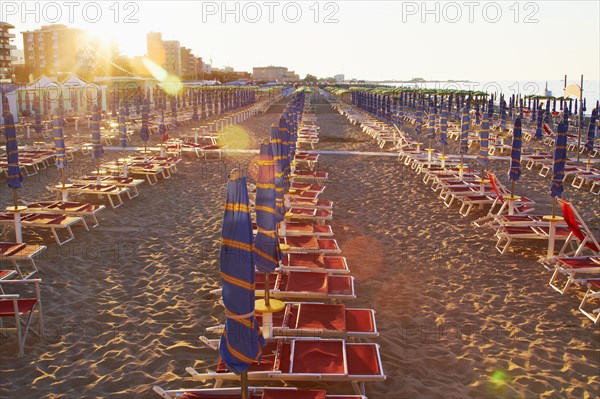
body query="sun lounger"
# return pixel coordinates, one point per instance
(130, 183)
(593, 292)
(307, 229)
(52, 221)
(308, 203)
(318, 215)
(578, 270)
(315, 262)
(21, 308)
(79, 209)
(309, 176)
(254, 393)
(580, 237)
(310, 359)
(506, 234)
(111, 192)
(308, 244)
(298, 186)
(19, 252)
(307, 285)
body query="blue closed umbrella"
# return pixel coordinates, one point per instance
(444, 128)
(484, 136)
(589, 144)
(278, 157)
(12, 148)
(97, 150)
(144, 132)
(122, 129)
(464, 131)
(538, 126)
(241, 342)
(431, 124)
(515, 153)
(38, 115)
(195, 106)
(266, 244)
(559, 160)
(418, 123)
(59, 141)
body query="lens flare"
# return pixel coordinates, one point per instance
(237, 138)
(170, 83)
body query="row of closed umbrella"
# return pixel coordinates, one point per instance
(241, 253)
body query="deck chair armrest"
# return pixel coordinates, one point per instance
(10, 296)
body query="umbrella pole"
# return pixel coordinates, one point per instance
(552, 230)
(244, 385)
(15, 197)
(267, 289)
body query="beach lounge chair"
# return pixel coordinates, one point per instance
(130, 183)
(578, 270)
(316, 177)
(580, 237)
(315, 262)
(312, 319)
(507, 233)
(324, 320)
(307, 285)
(254, 393)
(309, 359)
(19, 252)
(21, 308)
(52, 221)
(308, 203)
(298, 186)
(307, 229)
(521, 205)
(593, 292)
(308, 244)
(113, 193)
(318, 215)
(79, 209)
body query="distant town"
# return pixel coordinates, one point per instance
(59, 52)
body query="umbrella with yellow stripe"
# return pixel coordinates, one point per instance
(241, 342)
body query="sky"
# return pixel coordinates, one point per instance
(373, 40)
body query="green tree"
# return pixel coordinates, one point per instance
(310, 79)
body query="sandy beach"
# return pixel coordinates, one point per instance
(125, 303)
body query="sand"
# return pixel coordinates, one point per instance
(125, 303)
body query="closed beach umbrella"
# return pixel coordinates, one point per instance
(241, 342)
(502, 113)
(266, 245)
(464, 131)
(174, 110)
(431, 124)
(443, 128)
(12, 148)
(162, 130)
(195, 106)
(144, 132)
(278, 156)
(27, 104)
(38, 115)
(59, 144)
(560, 158)
(589, 144)
(484, 135)
(538, 126)
(122, 129)
(418, 123)
(97, 150)
(515, 153)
